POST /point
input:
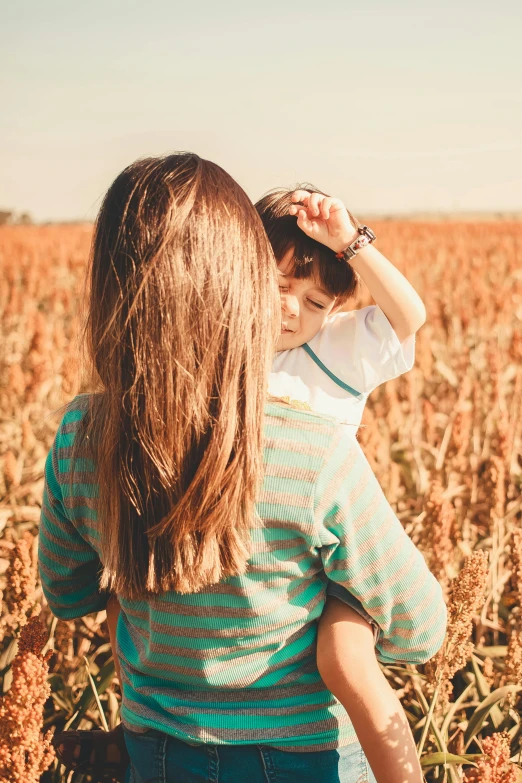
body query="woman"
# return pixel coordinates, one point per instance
(211, 513)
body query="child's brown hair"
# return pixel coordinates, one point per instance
(311, 258)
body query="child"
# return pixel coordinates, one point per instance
(329, 359)
(332, 360)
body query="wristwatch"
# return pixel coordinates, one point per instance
(366, 237)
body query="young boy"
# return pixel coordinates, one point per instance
(331, 360)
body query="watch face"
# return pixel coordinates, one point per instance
(362, 242)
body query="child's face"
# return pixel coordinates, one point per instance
(305, 306)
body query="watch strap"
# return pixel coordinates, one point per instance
(366, 237)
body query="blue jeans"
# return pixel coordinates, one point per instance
(159, 758)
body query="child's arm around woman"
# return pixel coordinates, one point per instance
(348, 666)
(366, 551)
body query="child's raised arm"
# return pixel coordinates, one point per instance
(327, 220)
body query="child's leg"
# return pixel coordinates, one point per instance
(113, 612)
(348, 665)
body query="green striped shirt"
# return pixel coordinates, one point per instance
(235, 663)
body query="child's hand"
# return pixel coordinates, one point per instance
(323, 218)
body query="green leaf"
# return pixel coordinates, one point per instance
(114, 709)
(54, 718)
(64, 704)
(56, 682)
(8, 679)
(102, 682)
(481, 713)
(101, 713)
(7, 656)
(484, 690)
(482, 684)
(498, 651)
(103, 648)
(439, 759)
(401, 670)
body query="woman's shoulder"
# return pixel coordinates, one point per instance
(77, 408)
(72, 414)
(81, 402)
(290, 422)
(297, 414)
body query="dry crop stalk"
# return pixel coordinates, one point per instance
(467, 597)
(24, 753)
(468, 354)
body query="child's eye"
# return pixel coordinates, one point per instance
(283, 289)
(317, 304)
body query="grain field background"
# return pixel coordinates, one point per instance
(445, 442)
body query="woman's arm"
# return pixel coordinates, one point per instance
(326, 220)
(68, 565)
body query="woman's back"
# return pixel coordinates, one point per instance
(235, 662)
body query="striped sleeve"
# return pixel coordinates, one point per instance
(365, 549)
(68, 564)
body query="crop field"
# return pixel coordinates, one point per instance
(445, 442)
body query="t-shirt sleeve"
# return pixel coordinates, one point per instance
(365, 549)
(69, 566)
(362, 350)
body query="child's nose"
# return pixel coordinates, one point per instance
(291, 306)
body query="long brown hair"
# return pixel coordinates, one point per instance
(182, 324)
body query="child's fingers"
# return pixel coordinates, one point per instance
(311, 208)
(301, 195)
(325, 206)
(310, 202)
(297, 208)
(314, 203)
(304, 222)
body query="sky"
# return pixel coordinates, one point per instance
(394, 106)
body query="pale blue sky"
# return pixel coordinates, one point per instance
(394, 106)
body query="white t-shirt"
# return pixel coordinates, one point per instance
(336, 371)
